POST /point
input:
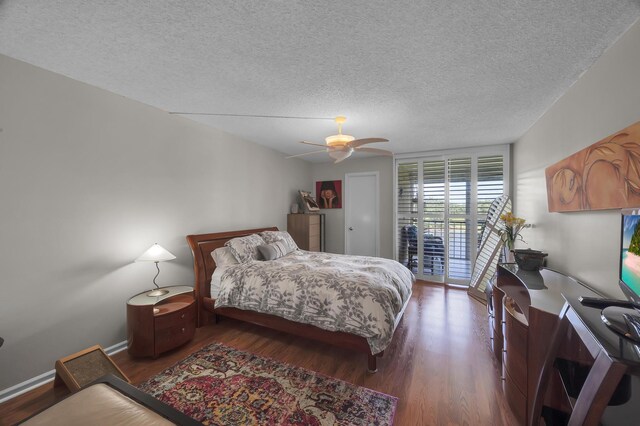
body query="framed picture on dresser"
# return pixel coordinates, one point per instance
(308, 203)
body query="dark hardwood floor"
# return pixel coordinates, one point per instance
(438, 365)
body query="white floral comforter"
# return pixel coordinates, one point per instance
(354, 294)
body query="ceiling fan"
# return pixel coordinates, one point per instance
(340, 147)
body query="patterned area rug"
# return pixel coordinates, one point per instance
(219, 385)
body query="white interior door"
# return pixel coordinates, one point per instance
(361, 214)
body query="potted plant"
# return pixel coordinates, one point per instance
(512, 227)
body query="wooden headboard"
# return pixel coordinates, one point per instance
(203, 265)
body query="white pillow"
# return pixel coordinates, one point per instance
(223, 257)
(271, 237)
(245, 249)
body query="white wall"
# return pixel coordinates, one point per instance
(604, 100)
(335, 217)
(88, 181)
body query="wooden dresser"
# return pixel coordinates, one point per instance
(305, 230)
(526, 307)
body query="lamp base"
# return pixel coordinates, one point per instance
(157, 292)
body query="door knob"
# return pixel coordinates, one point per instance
(351, 228)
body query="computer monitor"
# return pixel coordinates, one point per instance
(629, 271)
(622, 319)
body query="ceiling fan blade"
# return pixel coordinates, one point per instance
(375, 151)
(307, 153)
(313, 143)
(358, 142)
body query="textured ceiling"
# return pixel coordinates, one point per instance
(424, 74)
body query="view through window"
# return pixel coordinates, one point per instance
(445, 200)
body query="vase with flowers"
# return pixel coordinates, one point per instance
(512, 227)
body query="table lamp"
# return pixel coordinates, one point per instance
(156, 253)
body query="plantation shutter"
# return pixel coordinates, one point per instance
(434, 190)
(407, 209)
(459, 218)
(490, 184)
(490, 242)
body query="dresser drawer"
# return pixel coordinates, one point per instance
(516, 399)
(492, 331)
(314, 231)
(515, 345)
(495, 338)
(496, 346)
(497, 297)
(314, 220)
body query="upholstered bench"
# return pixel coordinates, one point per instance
(109, 400)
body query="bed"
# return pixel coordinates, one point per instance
(203, 245)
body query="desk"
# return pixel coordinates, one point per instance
(526, 308)
(600, 391)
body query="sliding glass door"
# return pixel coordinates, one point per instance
(441, 204)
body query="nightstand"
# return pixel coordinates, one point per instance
(156, 324)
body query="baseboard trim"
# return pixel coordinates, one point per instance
(43, 378)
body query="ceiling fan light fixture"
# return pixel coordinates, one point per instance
(340, 146)
(340, 154)
(338, 140)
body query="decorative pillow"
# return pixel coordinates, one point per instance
(272, 236)
(223, 257)
(275, 250)
(245, 249)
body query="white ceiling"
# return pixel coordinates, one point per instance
(424, 74)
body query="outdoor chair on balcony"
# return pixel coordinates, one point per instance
(433, 248)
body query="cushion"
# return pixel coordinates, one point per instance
(270, 237)
(223, 257)
(98, 404)
(275, 250)
(245, 249)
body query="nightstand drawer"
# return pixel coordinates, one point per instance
(170, 338)
(180, 313)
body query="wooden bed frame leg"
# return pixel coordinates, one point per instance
(371, 364)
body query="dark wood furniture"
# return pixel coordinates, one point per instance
(156, 324)
(202, 245)
(527, 305)
(305, 230)
(80, 369)
(494, 309)
(604, 379)
(140, 407)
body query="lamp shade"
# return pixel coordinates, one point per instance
(156, 253)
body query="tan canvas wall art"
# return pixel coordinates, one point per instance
(605, 175)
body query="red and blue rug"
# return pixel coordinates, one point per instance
(219, 385)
